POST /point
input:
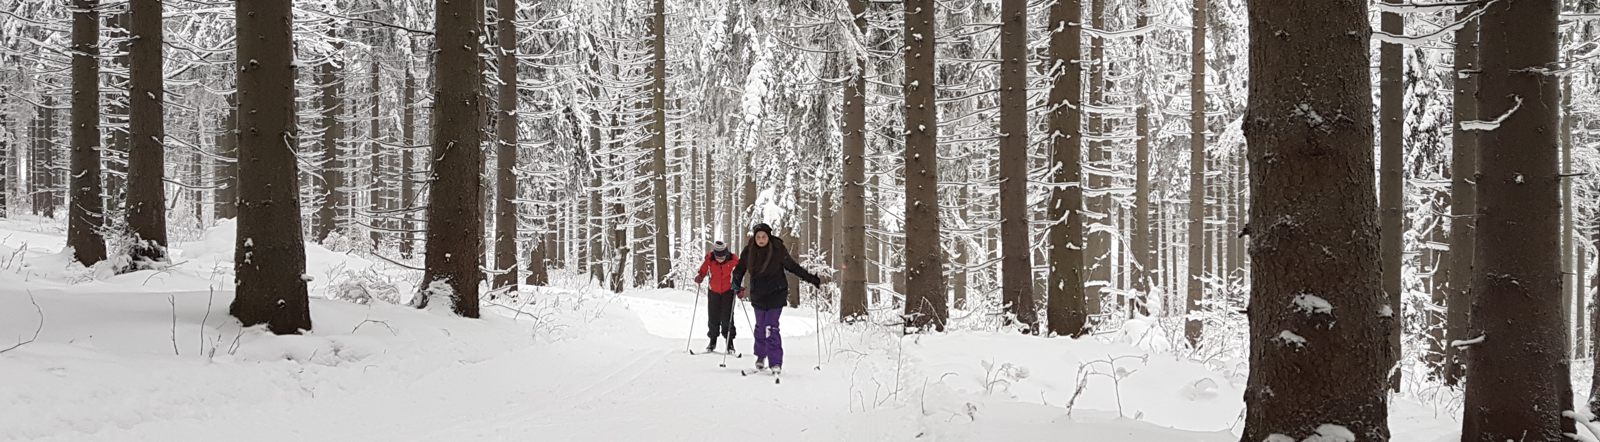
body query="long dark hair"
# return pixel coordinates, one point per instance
(774, 248)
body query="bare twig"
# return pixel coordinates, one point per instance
(209, 298)
(234, 347)
(174, 303)
(36, 330)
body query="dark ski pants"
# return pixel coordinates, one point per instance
(719, 316)
(769, 344)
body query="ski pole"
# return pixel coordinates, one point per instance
(747, 320)
(688, 341)
(816, 312)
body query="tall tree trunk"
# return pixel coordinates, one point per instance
(1572, 304)
(505, 210)
(8, 159)
(1463, 195)
(48, 167)
(269, 254)
(455, 232)
(333, 170)
(147, 199)
(32, 188)
(408, 135)
(227, 163)
(1519, 382)
(114, 155)
(1099, 208)
(85, 213)
(1315, 245)
(197, 171)
(658, 140)
(1142, 258)
(1193, 328)
(926, 307)
(1435, 262)
(1016, 281)
(1065, 309)
(597, 226)
(852, 204)
(1594, 327)
(375, 155)
(1391, 118)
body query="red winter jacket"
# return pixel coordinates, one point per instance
(721, 273)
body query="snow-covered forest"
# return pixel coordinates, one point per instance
(1098, 220)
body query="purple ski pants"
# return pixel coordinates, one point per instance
(769, 344)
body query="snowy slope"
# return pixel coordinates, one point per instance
(154, 356)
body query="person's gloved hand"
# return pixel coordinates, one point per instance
(743, 294)
(699, 279)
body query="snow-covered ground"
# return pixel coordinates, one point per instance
(154, 356)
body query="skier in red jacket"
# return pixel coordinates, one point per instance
(719, 266)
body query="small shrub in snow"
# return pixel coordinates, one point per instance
(1003, 375)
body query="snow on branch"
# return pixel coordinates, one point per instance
(1404, 7)
(1418, 40)
(1485, 126)
(1468, 342)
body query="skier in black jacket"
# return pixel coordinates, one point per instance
(765, 259)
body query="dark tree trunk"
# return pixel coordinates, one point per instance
(597, 228)
(115, 154)
(147, 200)
(1097, 211)
(1463, 196)
(1391, 186)
(49, 167)
(1065, 312)
(1142, 259)
(1594, 327)
(1519, 382)
(333, 171)
(8, 159)
(926, 307)
(1319, 351)
(269, 255)
(1435, 261)
(1193, 328)
(375, 154)
(505, 210)
(1016, 283)
(408, 135)
(455, 229)
(658, 141)
(85, 216)
(197, 174)
(227, 166)
(852, 203)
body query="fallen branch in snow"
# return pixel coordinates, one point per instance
(161, 271)
(385, 324)
(36, 330)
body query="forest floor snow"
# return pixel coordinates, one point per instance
(154, 355)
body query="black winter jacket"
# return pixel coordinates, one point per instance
(769, 289)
